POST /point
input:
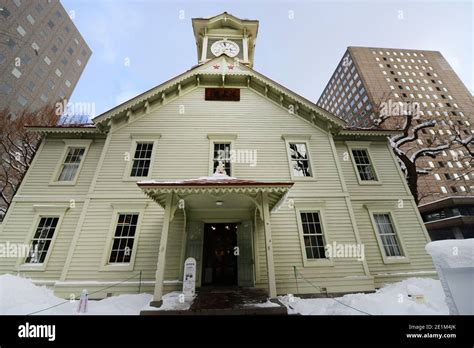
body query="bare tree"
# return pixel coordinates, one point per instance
(406, 116)
(18, 147)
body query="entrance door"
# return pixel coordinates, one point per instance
(219, 259)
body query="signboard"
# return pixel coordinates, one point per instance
(223, 94)
(189, 278)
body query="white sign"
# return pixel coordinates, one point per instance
(189, 278)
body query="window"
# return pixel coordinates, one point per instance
(4, 12)
(299, 159)
(16, 73)
(11, 43)
(5, 88)
(47, 60)
(51, 24)
(71, 163)
(20, 30)
(142, 159)
(30, 19)
(42, 239)
(443, 189)
(124, 237)
(22, 100)
(387, 234)
(313, 235)
(222, 155)
(363, 164)
(31, 86)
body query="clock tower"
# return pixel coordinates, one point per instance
(225, 34)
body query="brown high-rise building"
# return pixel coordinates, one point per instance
(368, 77)
(42, 54)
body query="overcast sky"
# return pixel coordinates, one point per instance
(138, 44)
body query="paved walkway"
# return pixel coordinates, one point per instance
(228, 298)
(228, 301)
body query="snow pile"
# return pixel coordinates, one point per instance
(171, 302)
(452, 253)
(392, 299)
(454, 262)
(19, 296)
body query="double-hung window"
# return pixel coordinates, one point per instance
(42, 239)
(124, 238)
(142, 159)
(71, 163)
(363, 164)
(388, 236)
(313, 236)
(222, 155)
(299, 158)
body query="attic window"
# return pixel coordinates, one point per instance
(222, 94)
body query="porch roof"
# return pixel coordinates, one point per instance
(216, 186)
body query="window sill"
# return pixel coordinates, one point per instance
(120, 267)
(395, 260)
(370, 183)
(318, 263)
(62, 183)
(31, 267)
(136, 178)
(303, 178)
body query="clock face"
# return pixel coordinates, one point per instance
(230, 48)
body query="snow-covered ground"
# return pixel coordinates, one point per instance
(391, 299)
(21, 296)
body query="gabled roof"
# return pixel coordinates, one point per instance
(221, 71)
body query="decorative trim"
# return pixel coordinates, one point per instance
(145, 136)
(296, 137)
(222, 136)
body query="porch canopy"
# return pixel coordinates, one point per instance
(265, 196)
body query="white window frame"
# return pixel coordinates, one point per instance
(42, 211)
(356, 145)
(221, 138)
(300, 139)
(379, 209)
(68, 143)
(139, 138)
(122, 208)
(314, 207)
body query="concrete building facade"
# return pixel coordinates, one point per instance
(42, 54)
(367, 77)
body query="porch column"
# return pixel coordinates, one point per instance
(160, 268)
(268, 246)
